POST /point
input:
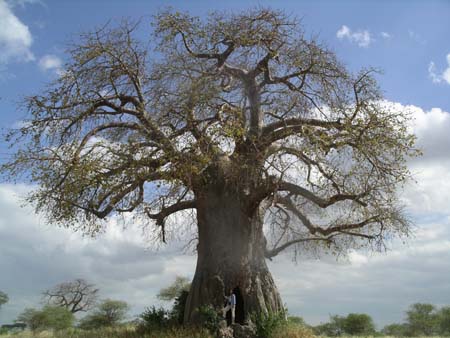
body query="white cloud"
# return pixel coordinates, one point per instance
(385, 35)
(431, 191)
(432, 73)
(361, 37)
(439, 78)
(15, 37)
(51, 63)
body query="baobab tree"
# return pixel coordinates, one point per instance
(75, 296)
(240, 118)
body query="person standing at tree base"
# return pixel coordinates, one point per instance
(230, 305)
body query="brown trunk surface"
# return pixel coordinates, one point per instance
(230, 257)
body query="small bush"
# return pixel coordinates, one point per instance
(153, 319)
(48, 318)
(268, 324)
(209, 318)
(177, 312)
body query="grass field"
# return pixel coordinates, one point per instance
(289, 331)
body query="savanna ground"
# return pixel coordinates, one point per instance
(290, 330)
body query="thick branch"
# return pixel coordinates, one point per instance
(319, 201)
(276, 250)
(165, 212)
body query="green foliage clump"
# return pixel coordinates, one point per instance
(353, 324)
(267, 324)
(209, 318)
(359, 324)
(422, 319)
(396, 330)
(444, 321)
(49, 318)
(181, 284)
(333, 328)
(153, 319)
(177, 312)
(108, 313)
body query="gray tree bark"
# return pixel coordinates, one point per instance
(230, 255)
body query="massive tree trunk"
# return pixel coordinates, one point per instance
(230, 257)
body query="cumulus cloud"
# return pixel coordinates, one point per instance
(51, 62)
(15, 37)
(361, 37)
(385, 35)
(442, 77)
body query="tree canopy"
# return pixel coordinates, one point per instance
(49, 317)
(135, 126)
(108, 313)
(175, 289)
(75, 296)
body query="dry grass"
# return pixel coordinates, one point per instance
(293, 331)
(289, 331)
(113, 333)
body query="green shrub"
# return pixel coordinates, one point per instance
(359, 324)
(209, 318)
(153, 319)
(267, 324)
(177, 312)
(49, 318)
(108, 313)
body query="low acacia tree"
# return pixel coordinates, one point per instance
(75, 296)
(240, 118)
(108, 313)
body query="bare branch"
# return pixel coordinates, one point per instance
(165, 212)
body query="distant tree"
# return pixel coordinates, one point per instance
(30, 318)
(334, 328)
(396, 330)
(3, 298)
(444, 321)
(75, 296)
(49, 317)
(358, 324)
(422, 319)
(175, 289)
(239, 119)
(297, 320)
(108, 313)
(177, 312)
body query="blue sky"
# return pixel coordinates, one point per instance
(406, 40)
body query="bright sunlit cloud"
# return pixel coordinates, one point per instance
(438, 77)
(361, 37)
(51, 63)
(15, 37)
